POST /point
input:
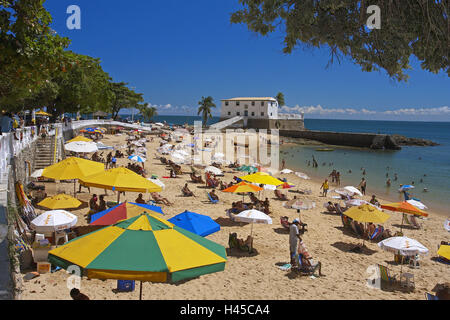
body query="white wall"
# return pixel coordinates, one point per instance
(269, 110)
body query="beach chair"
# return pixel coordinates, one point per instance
(285, 222)
(307, 270)
(388, 279)
(211, 199)
(415, 262)
(377, 234)
(430, 296)
(346, 222)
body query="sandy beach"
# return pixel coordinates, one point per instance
(257, 276)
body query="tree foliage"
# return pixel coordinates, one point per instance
(280, 99)
(147, 112)
(31, 52)
(414, 27)
(124, 98)
(204, 109)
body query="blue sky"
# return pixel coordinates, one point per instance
(177, 51)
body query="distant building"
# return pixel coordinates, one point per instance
(259, 113)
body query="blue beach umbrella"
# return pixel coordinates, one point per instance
(406, 187)
(196, 223)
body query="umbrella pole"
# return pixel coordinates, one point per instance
(118, 196)
(251, 232)
(140, 292)
(74, 188)
(403, 217)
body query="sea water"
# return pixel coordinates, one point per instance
(431, 165)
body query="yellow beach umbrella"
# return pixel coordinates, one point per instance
(61, 201)
(43, 113)
(80, 139)
(367, 213)
(72, 169)
(262, 178)
(444, 251)
(120, 179)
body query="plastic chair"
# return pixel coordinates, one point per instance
(61, 235)
(414, 262)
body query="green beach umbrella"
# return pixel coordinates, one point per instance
(146, 248)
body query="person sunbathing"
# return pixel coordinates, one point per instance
(253, 198)
(173, 174)
(214, 195)
(158, 198)
(310, 264)
(280, 196)
(247, 243)
(330, 207)
(187, 192)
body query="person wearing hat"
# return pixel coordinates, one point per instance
(294, 237)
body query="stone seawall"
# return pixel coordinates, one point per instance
(361, 140)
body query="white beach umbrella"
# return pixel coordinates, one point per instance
(159, 124)
(253, 216)
(417, 204)
(359, 202)
(177, 158)
(102, 146)
(286, 171)
(214, 170)
(37, 173)
(219, 155)
(348, 191)
(81, 147)
(300, 205)
(157, 182)
(302, 175)
(183, 153)
(52, 221)
(447, 224)
(403, 246)
(267, 186)
(354, 190)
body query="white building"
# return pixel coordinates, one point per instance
(252, 108)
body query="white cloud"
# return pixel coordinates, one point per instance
(319, 110)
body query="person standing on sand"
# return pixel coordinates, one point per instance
(325, 186)
(283, 164)
(362, 185)
(294, 237)
(338, 178)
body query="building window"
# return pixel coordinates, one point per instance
(246, 113)
(271, 114)
(253, 114)
(227, 103)
(229, 113)
(253, 103)
(262, 103)
(238, 103)
(262, 114)
(246, 107)
(238, 113)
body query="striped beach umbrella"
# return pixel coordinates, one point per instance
(121, 212)
(137, 158)
(144, 248)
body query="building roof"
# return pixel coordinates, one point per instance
(251, 99)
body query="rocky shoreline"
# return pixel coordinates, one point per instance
(405, 141)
